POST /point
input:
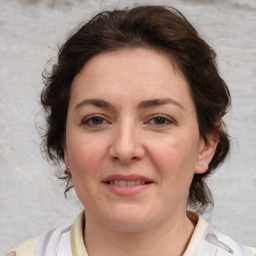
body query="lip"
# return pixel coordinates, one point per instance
(126, 178)
(127, 190)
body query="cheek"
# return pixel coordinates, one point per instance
(85, 163)
(84, 149)
(174, 166)
(175, 159)
(85, 156)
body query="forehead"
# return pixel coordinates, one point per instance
(131, 60)
(131, 73)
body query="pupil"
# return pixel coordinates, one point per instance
(97, 120)
(160, 120)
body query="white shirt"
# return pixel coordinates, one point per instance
(68, 241)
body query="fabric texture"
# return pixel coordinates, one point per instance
(68, 241)
(26, 248)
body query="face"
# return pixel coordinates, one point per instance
(132, 139)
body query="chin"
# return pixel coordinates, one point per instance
(128, 220)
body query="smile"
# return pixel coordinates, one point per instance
(127, 183)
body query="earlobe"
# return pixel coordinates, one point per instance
(67, 170)
(66, 160)
(205, 154)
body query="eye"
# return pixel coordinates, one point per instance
(160, 121)
(94, 121)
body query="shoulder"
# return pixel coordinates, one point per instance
(26, 248)
(208, 241)
(49, 242)
(253, 250)
(228, 244)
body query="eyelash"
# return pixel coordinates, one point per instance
(89, 120)
(163, 118)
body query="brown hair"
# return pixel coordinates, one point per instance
(157, 27)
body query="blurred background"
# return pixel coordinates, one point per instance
(31, 197)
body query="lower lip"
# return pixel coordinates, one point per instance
(127, 190)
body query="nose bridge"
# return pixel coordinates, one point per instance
(126, 143)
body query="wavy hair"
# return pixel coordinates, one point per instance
(157, 27)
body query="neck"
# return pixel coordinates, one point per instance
(170, 238)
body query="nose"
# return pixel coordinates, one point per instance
(127, 145)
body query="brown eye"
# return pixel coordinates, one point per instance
(94, 121)
(97, 120)
(160, 120)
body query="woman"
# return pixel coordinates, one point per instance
(134, 108)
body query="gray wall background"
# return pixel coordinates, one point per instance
(31, 198)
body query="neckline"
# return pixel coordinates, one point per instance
(78, 247)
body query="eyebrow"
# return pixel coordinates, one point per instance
(96, 102)
(142, 105)
(159, 102)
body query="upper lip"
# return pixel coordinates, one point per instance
(129, 177)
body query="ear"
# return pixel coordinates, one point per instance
(66, 159)
(206, 153)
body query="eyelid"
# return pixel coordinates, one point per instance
(169, 119)
(85, 121)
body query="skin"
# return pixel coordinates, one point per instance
(158, 141)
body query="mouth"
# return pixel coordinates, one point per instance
(127, 185)
(127, 182)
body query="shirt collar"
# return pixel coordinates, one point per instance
(197, 236)
(76, 236)
(78, 247)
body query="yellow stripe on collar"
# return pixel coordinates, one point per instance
(76, 236)
(253, 250)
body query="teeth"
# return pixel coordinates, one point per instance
(131, 183)
(127, 183)
(122, 183)
(137, 182)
